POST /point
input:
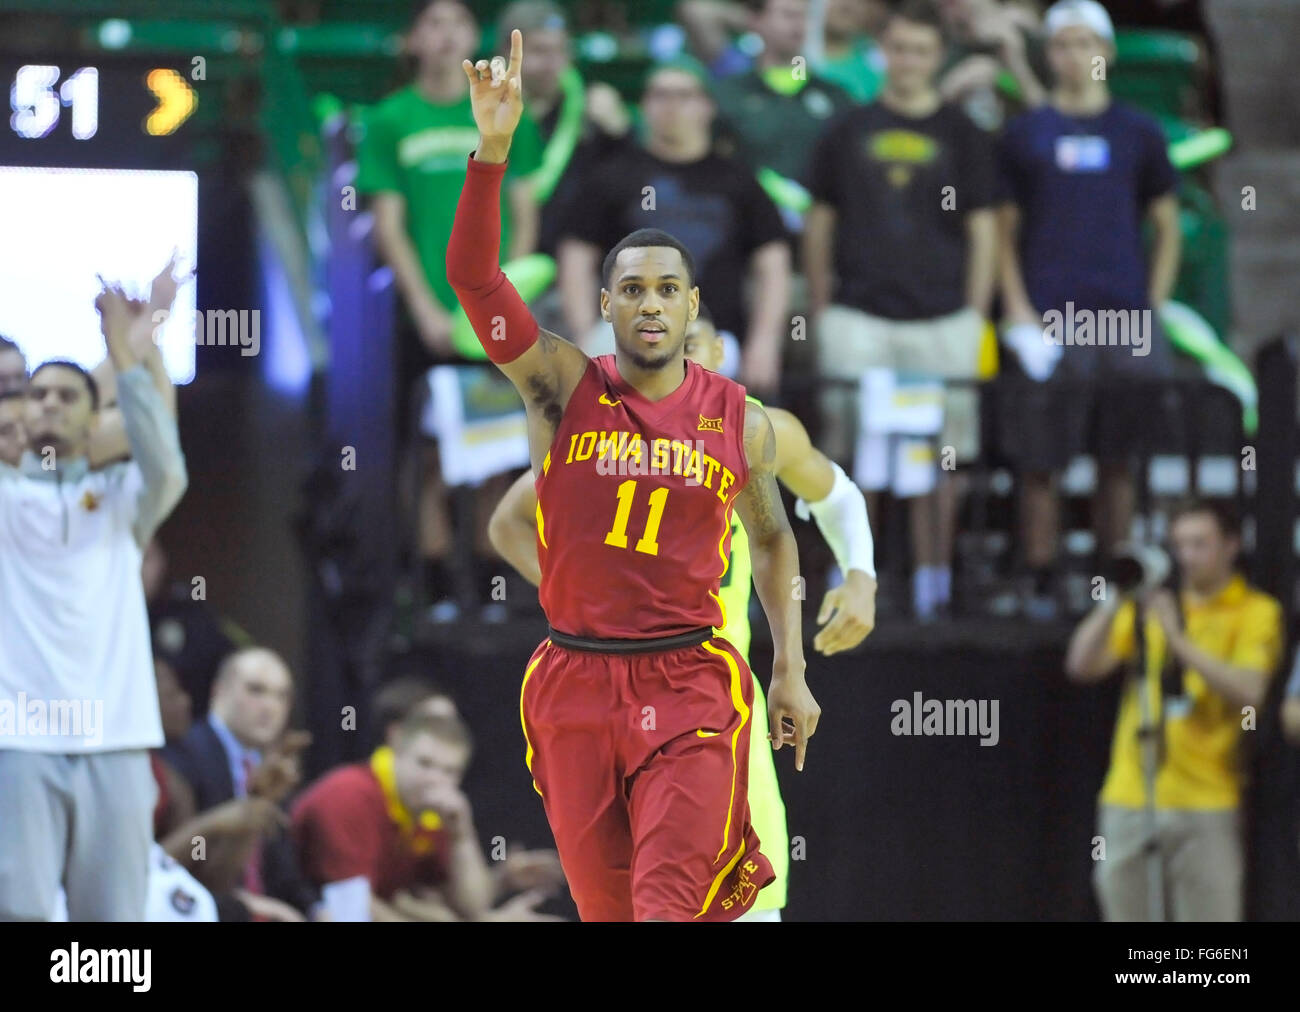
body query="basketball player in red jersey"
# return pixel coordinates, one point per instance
(636, 717)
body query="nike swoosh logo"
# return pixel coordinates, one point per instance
(707, 734)
(604, 399)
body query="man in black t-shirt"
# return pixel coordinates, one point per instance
(899, 248)
(713, 204)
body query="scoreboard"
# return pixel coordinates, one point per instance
(113, 114)
(97, 176)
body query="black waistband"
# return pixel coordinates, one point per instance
(644, 646)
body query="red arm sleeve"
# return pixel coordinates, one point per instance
(504, 326)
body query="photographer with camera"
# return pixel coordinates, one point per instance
(1209, 649)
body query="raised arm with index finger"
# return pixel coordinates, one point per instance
(543, 366)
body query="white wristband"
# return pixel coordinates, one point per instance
(842, 519)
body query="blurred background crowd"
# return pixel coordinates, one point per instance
(890, 205)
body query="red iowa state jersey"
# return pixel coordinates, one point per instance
(634, 505)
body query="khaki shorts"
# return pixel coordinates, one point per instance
(850, 341)
(1202, 864)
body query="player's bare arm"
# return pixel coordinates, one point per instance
(544, 367)
(513, 528)
(792, 711)
(848, 612)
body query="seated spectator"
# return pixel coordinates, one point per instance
(401, 823)
(712, 203)
(403, 697)
(410, 696)
(240, 751)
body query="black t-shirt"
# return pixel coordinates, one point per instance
(900, 238)
(714, 206)
(595, 146)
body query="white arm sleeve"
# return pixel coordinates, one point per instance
(842, 518)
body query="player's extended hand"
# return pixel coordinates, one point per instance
(792, 714)
(496, 91)
(851, 609)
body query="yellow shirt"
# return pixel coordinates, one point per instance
(1242, 627)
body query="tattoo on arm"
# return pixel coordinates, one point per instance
(543, 387)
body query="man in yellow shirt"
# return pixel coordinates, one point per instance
(1227, 649)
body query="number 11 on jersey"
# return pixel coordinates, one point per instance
(617, 536)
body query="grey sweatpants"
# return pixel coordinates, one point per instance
(1201, 856)
(81, 821)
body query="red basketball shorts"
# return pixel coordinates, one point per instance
(642, 762)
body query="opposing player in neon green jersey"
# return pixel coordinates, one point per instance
(847, 613)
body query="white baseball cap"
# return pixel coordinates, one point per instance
(1079, 13)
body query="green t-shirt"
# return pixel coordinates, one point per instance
(774, 129)
(419, 149)
(860, 71)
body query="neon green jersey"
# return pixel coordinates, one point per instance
(766, 809)
(737, 584)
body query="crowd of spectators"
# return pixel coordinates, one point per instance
(867, 187)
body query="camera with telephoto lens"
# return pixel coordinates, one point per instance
(1137, 569)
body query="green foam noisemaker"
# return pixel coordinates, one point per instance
(1199, 148)
(785, 192)
(564, 141)
(1191, 335)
